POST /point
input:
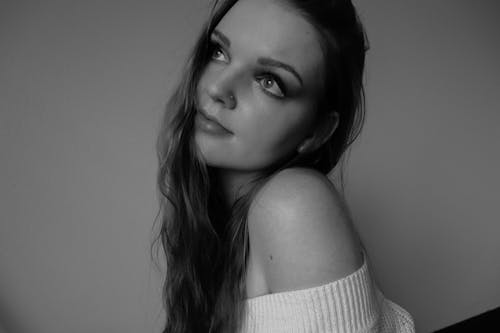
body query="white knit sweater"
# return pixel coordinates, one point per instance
(351, 304)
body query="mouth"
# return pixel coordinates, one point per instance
(211, 121)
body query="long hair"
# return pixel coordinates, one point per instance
(205, 241)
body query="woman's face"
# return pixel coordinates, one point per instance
(261, 83)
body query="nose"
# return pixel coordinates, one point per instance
(221, 89)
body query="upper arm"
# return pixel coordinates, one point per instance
(303, 236)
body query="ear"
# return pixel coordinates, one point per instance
(324, 130)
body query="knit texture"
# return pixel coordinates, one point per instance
(351, 304)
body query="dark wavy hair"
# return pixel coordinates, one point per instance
(205, 241)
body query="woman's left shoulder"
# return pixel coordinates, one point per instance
(304, 174)
(305, 185)
(301, 224)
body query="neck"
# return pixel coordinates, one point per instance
(233, 183)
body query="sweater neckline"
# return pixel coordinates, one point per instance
(361, 271)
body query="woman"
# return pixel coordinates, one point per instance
(256, 237)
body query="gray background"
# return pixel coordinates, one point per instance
(82, 88)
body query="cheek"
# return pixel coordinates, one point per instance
(273, 136)
(206, 76)
(199, 87)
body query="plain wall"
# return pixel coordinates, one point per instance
(424, 182)
(82, 89)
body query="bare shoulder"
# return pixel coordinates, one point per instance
(301, 232)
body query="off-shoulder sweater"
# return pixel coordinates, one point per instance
(351, 304)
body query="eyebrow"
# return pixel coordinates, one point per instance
(222, 38)
(265, 61)
(275, 63)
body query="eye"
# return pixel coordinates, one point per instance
(271, 85)
(216, 52)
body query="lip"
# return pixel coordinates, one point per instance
(210, 124)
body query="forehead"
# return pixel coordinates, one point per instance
(268, 28)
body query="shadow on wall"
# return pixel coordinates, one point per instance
(8, 323)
